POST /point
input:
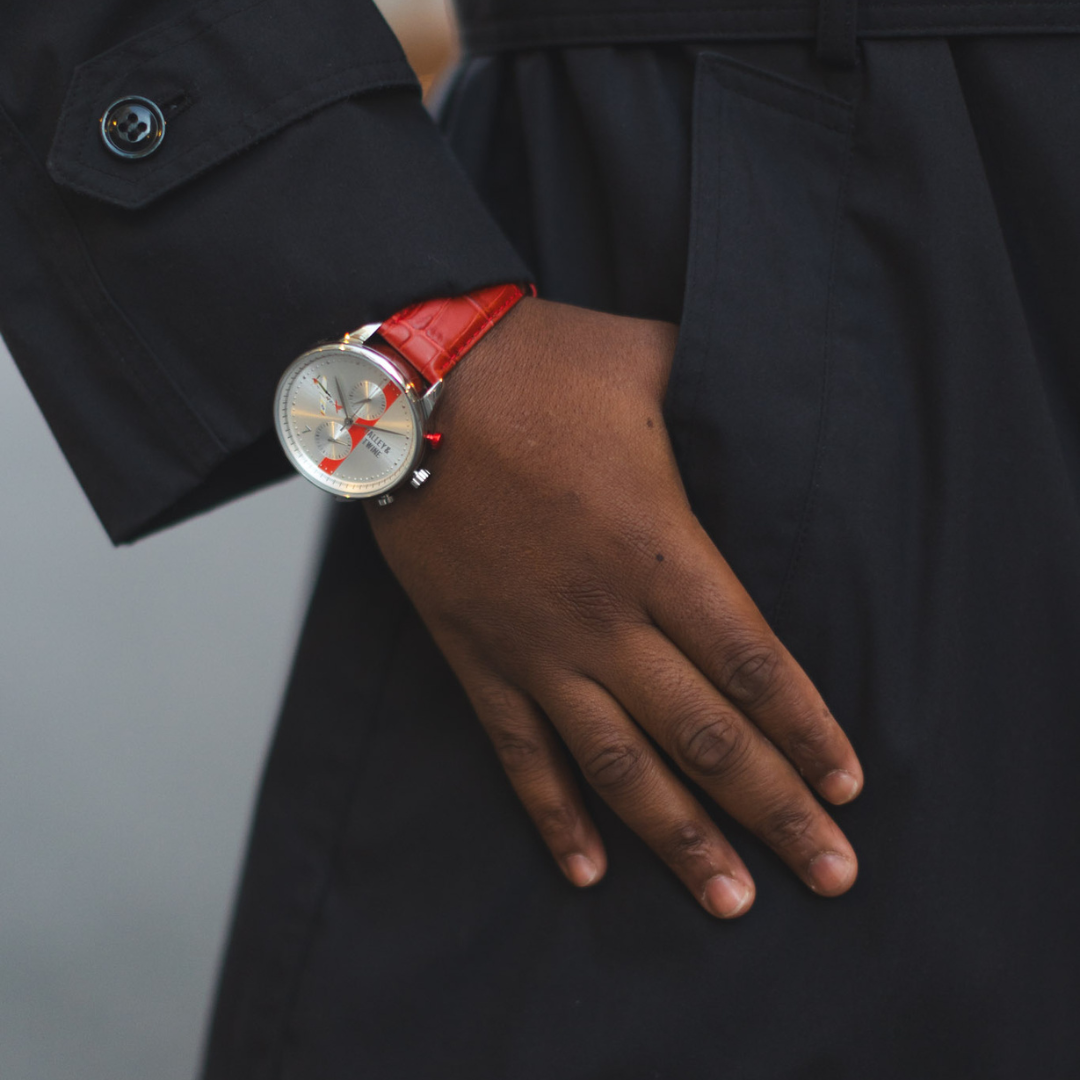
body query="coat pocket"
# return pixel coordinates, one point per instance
(748, 400)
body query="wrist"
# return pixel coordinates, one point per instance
(435, 334)
(354, 416)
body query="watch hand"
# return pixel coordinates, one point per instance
(390, 394)
(344, 403)
(358, 428)
(374, 393)
(324, 388)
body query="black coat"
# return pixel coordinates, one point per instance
(152, 304)
(876, 407)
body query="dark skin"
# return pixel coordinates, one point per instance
(555, 559)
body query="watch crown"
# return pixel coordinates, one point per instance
(419, 476)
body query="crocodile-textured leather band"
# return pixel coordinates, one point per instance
(434, 335)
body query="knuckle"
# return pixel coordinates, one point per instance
(519, 753)
(789, 826)
(808, 739)
(751, 671)
(614, 766)
(715, 747)
(555, 820)
(688, 842)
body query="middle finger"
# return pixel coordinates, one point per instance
(729, 757)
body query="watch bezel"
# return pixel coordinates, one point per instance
(397, 371)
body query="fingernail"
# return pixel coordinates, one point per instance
(580, 869)
(726, 897)
(830, 873)
(839, 786)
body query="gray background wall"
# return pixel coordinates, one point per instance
(137, 692)
(138, 687)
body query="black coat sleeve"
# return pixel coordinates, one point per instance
(300, 190)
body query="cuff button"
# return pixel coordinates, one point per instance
(132, 127)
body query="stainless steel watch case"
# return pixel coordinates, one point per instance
(421, 404)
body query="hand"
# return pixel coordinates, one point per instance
(344, 406)
(556, 561)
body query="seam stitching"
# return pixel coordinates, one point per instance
(698, 165)
(840, 128)
(725, 63)
(779, 610)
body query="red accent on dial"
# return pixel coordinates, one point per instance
(359, 429)
(434, 335)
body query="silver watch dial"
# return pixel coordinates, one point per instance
(349, 420)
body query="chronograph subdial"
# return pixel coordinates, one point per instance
(333, 441)
(367, 400)
(350, 420)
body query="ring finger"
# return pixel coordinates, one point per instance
(619, 762)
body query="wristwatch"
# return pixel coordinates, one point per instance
(354, 416)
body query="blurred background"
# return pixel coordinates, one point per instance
(138, 687)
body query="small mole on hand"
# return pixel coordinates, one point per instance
(648, 422)
(659, 557)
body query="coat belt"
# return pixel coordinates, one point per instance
(496, 25)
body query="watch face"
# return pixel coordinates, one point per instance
(349, 421)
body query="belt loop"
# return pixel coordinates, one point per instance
(836, 41)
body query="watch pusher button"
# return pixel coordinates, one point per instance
(384, 500)
(132, 127)
(433, 438)
(419, 476)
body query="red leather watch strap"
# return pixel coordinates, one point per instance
(434, 335)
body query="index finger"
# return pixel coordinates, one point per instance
(699, 603)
